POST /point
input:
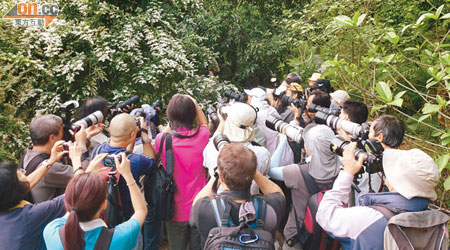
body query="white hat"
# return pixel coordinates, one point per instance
(314, 77)
(340, 96)
(240, 122)
(280, 89)
(412, 173)
(257, 93)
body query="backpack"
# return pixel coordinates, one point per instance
(103, 241)
(311, 235)
(414, 230)
(159, 187)
(247, 235)
(113, 214)
(32, 165)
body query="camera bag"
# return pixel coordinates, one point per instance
(159, 187)
(249, 234)
(414, 230)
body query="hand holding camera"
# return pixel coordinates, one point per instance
(95, 163)
(57, 152)
(123, 166)
(351, 165)
(75, 152)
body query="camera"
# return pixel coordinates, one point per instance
(373, 151)
(212, 113)
(313, 108)
(243, 97)
(129, 102)
(286, 101)
(66, 111)
(292, 132)
(110, 162)
(220, 141)
(356, 130)
(157, 104)
(88, 121)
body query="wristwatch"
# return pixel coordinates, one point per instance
(46, 164)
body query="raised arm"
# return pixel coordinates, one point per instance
(266, 185)
(137, 198)
(275, 171)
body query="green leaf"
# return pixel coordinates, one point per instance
(399, 94)
(445, 141)
(431, 84)
(389, 58)
(435, 133)
(430, 108)
(361, 19)
(445, 59)
(397, 102)
(422, 17)
(447, 183)
(423, 117)
(355, 18)
(446, 16)
(442, 161)
(344, 21)
(438, 11)
(377, 107)
(440, 101)
(407, 26)
(392, 37)
(410, 49)
(384, 91)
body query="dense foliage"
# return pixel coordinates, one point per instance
(393, 55)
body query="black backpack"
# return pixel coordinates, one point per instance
(246, 235)
(311, 236)
(159, 187)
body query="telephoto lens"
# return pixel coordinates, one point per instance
(373, 154)
(89, 120)
(354, 129)
(292, 132)
(313, 108)
(237, 97)
(212, 113)
(220, 141)
(129, 102)
(157, 104)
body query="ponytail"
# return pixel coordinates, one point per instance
(73, 235)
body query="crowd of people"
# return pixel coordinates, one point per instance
(256, 164)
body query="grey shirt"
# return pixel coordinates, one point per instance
(54, 181)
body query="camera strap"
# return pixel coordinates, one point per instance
(176, 134)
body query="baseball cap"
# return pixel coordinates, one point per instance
(412, 172)
(295, 87)
(240, 122)
(322, 84)
(340, 96)
(314, 77)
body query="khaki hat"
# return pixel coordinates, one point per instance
(340, 96)
(314, 77)
(239, 126)
(412, 172)
(296, 87)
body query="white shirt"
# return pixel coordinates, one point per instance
(210, 155)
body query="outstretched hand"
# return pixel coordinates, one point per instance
(94, 165)
(351, 165)
(57, 152)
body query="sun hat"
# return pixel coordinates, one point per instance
(412, 172)
(257, 93)
(314, 77)
(340, 96)
(296, 87)
(239, 126)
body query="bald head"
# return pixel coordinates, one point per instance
(122, 126)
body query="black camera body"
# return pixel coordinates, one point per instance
(373, 151)
(66, 111)
(109, 160)
(286, 101)
(242, 97)
(117, 109)
(313, 108)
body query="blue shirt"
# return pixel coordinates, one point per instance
(139, 165)
(21, 227)
(124, 237)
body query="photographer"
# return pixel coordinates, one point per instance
(90, 106)
(23, 222)
(188, 143)
(322, 165)
(317, 97)
(258, 99)
(46, 135)
(411, 176)
(123, 130)
(295, 91)
(338, 98)
(237, 169)
(239, 128)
